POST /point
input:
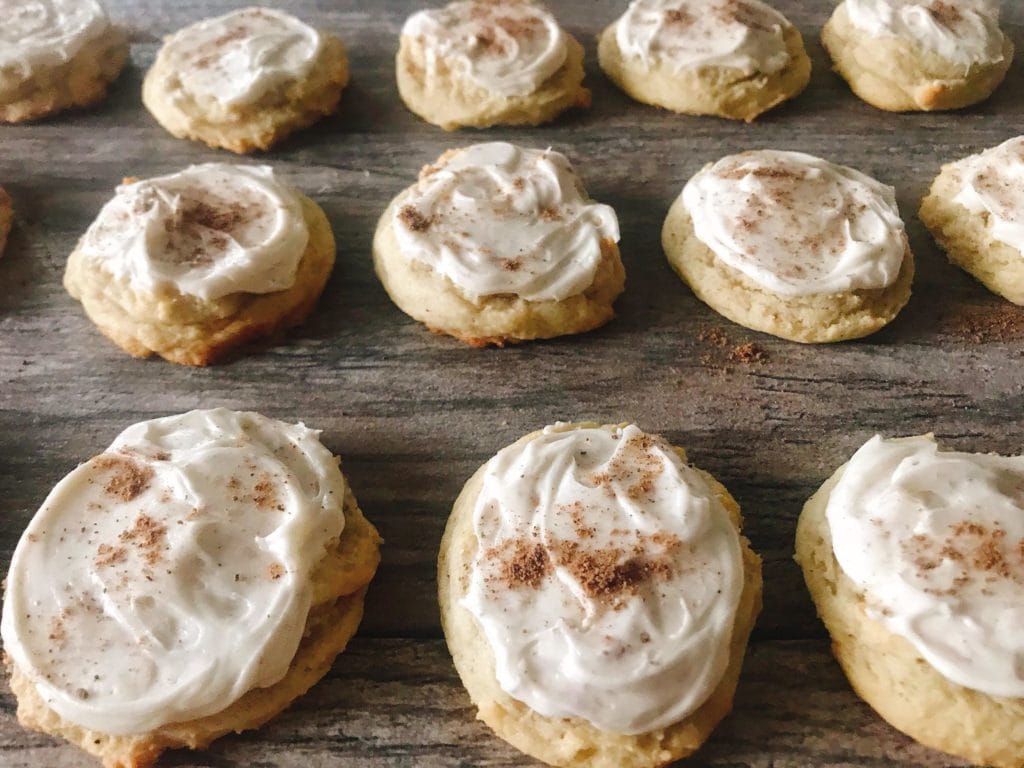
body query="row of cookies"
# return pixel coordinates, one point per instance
(498, 244)
(245, 80)
(595, 590)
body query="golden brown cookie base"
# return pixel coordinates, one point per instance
(967, 238)
(247, 128)
(718, 91)
(450, 101)
(887, 672)
(808, 319)
(190, 331)
(897, 76)
(573, 742)
(340, 583)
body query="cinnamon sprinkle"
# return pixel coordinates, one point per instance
(527, 566)
(415, 220)
(129, 479)
(147, 536)
(276, 571)
(107, 555)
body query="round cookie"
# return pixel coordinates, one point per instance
(245, 80)
(923, 607)
(143, 559)
(975, 210)
(725, 58)
(497, 244)
(191, 265)
(478, 63)
(791, 245)
(55, 55)
(556, 579)
(6, 218)
(919, 55)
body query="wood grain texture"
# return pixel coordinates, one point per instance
(413, 414)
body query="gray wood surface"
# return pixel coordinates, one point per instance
(413, 414)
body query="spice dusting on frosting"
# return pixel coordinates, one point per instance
(415, 220)
(128, 478)
(147, 536)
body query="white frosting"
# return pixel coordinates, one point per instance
(208, 231)
(499, 219)
(796, 224)
(687, 34)
(507, 48)
(936, 541)
(238, 58)
(993, 184)
(166, 577)
(37, 33)
(962, 31)
(629, 625)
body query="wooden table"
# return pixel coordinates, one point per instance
(413, 414)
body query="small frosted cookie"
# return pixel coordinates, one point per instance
(497, 244)
(730, 58)
(489, 62)
(191, 265)
(56, 54)
(245, 80)
(6, 218)
(914, 557)
(792, 245)
(975, 210)
(911, 55)
(190, 581)
(597, 597)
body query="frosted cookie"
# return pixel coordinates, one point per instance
(910, 55)
(6, 218)
(730, 58)
(191, 265)
(792, 245)
(975, 210)
(245, 80)
(479, 63)
(914, 557)
(190, 581)
(56, 54)
(497, 244)
(597, 597)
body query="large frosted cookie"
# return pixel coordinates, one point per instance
(190, 581)
(730, 58)
(914, 557)
(245, 80)
(908, 55)
(597, 597)
(975, 210)
(56, 54)
(497, 244)
(479, 63)
(191, 265)
(792, 245)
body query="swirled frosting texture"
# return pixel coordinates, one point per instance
(796, 224)
(499, 219)
(993, 184)
(686, 34)
(962, 31)
(208, 231)
(239, 58)
(164, 578)
(47, 32)
(607, 577)
(935, 540)
(507, 48)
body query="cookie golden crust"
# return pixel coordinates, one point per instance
(6, 218)
(574, 742)
(706, 90)
(886, 670)
(190, 331)
(435, 301)
(451, 101)
(807, 319)
(248, 127)
(898, 76)
(80, 82)
(339, 586)
(967, 238)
